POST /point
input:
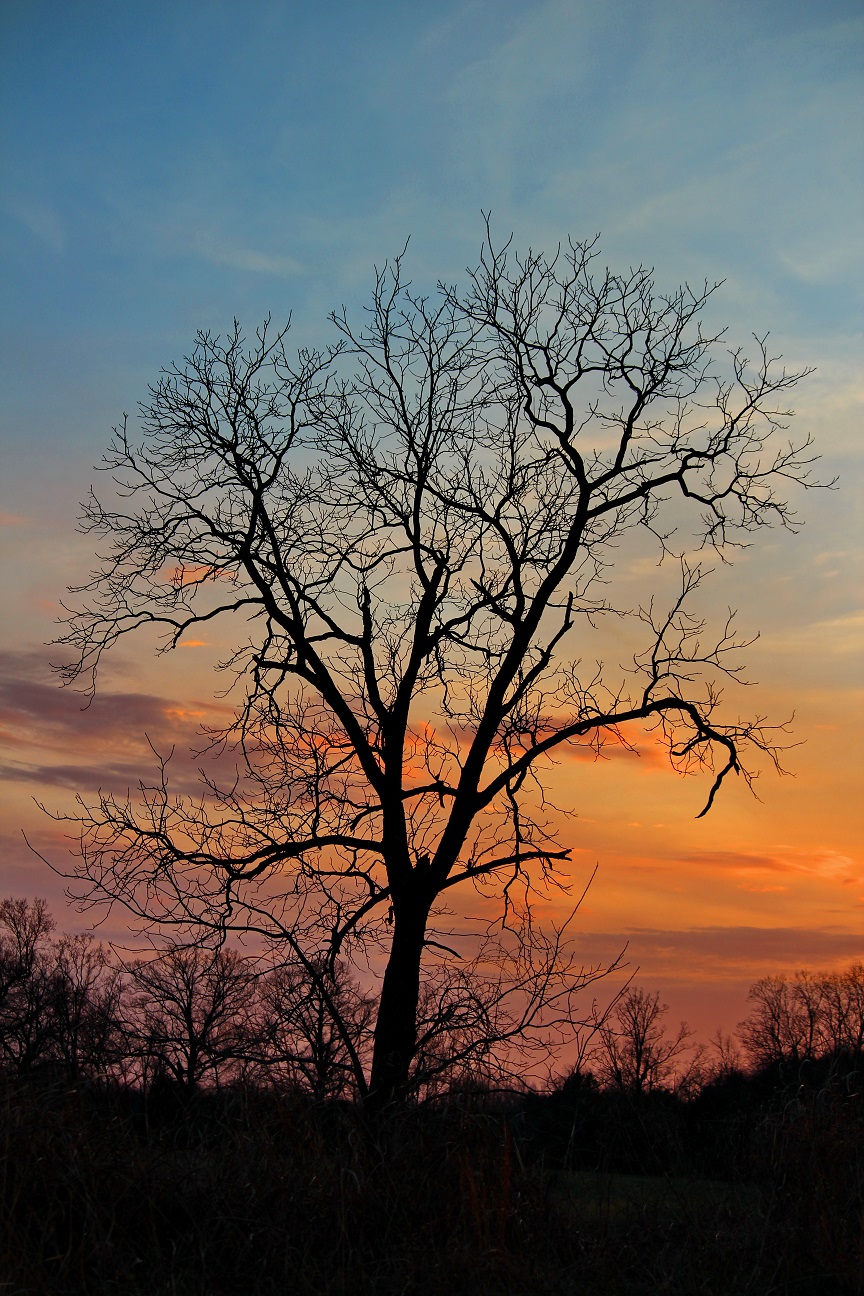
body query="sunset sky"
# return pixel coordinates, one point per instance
(168, 167)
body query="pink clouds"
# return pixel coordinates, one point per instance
(43, 725)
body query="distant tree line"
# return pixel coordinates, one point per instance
(206, 1015)
(191, 1015)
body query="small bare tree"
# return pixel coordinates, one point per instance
(191, 1006)
(87, 1007)
(314, 1030)
(635, 1052)
(25, 931)
(499, 1018)
(26, 1000)
(416, 532)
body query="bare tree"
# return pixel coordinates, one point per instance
(314, 1030)
(635, 1052)
(842, 1023)
(26, 999)
(723, 1058)
(191, 1006)
(810, 1016)
(500, 1017)
(415, 531)
(779, 1028)
(87, 1006)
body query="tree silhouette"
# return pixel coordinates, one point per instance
(635, 1052)
(190, 1010)
(87, 1007)
(808, 1016)
(314, 1029)
(415, 532)
(26, 984)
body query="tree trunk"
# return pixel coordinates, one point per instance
(396, 1026)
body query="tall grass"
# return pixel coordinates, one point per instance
(106, 1191)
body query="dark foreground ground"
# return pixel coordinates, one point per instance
(753, 1188)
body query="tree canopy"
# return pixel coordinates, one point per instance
(415, 533)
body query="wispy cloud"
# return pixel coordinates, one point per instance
(41, 221)
(238, 257)
(836, 636)
(824, 863)
(643, 755)
(738, 861)
(112, 775)
(701, 953)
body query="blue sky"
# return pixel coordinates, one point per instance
(170, 166)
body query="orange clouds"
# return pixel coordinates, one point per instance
(645, 753)
(712, 952)
(825, 864)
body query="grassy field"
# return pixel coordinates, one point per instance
(103, 1192)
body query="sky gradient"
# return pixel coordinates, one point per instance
(168, 167)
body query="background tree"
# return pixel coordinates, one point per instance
(27, 1028)
(780, 1029)
(635, 1052)
(842, 1022)
(314, 1031)
(191, 1008)
(87, 1004)
(416, 531)
(500, 1017)
(806, 1017)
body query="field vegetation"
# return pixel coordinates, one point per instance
(188, 1123)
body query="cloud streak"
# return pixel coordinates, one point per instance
(113, 738)
(724, 952)
(238, 257)
(40, 221)
(822, 862)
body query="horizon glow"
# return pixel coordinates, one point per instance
(168, 168)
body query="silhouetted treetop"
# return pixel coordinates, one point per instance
(416, 532)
